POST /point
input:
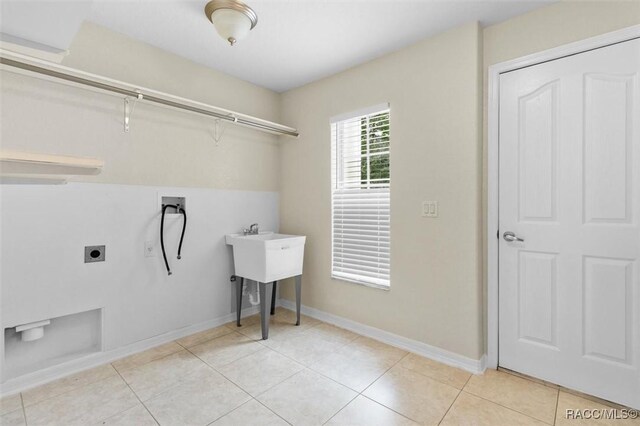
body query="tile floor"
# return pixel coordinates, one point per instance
(309, 375)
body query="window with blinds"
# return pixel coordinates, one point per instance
(360, 197)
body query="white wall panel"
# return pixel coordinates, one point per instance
(44, 230)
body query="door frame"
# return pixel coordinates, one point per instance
(493, 161)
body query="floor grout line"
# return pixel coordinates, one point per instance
(68, 391)
(137, 397)
(378, 378)
(214, 368)
(231, 411)
(555, 417)
(240, 387)
(266, 390)
(204, 341)
(342, 408)
(390, 409)
(361, 393)
(456, 398)
(176, 385)
(148, 362)
(24, 410)
(449, 409)
(260, 402)
(435, 379)
(245, 390)
(237, 408)
(504, 406)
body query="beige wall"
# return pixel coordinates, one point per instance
(543, 29)
(164, 146)
(433, 89)
(438, 153)
(555, 25)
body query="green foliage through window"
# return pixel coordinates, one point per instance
(374, 143)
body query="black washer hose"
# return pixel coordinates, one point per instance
(184, 227)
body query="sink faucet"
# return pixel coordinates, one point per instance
(253, 230)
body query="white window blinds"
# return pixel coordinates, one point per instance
(360, 183)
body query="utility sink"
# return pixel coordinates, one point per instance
(267, 256)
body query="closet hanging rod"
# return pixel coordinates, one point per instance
(59, 72)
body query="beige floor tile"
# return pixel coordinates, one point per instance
(136, 416)
(281, 328)
(246, 321)
(567, 401)
(436, 370)
(276, 330)
(289, 316)
(10, 403)
(305, 347)
(251, 413)
(533, 399)
(13, 418)
(203, 336)
(364, 412)
(413, 395)
(282, 324)
(85, 405)
(333, 333)
(379, 349)
(153, 378)
(357, 365)
(141, 358)
(307, 398)
(226, 349)
(260, 371)
(473, 411)
(66, 384)
(199, 399)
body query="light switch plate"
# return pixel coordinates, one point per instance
(429, 209)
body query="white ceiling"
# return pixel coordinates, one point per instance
(295, 41)
(31, 21)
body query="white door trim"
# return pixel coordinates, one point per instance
(493, 160)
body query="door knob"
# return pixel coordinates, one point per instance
(511, 237)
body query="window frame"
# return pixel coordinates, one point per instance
(337, 175)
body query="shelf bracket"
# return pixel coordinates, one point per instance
(128, 110)
(217, 134)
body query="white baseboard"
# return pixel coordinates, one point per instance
(475, 366)
(49, 374)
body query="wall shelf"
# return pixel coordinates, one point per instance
(35, 168)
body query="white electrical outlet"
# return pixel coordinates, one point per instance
(429, 209)
(149, 249)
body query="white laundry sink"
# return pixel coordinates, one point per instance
(267, 256)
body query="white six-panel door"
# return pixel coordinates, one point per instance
(569, 294)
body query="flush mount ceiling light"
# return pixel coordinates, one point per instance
(232, 19)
